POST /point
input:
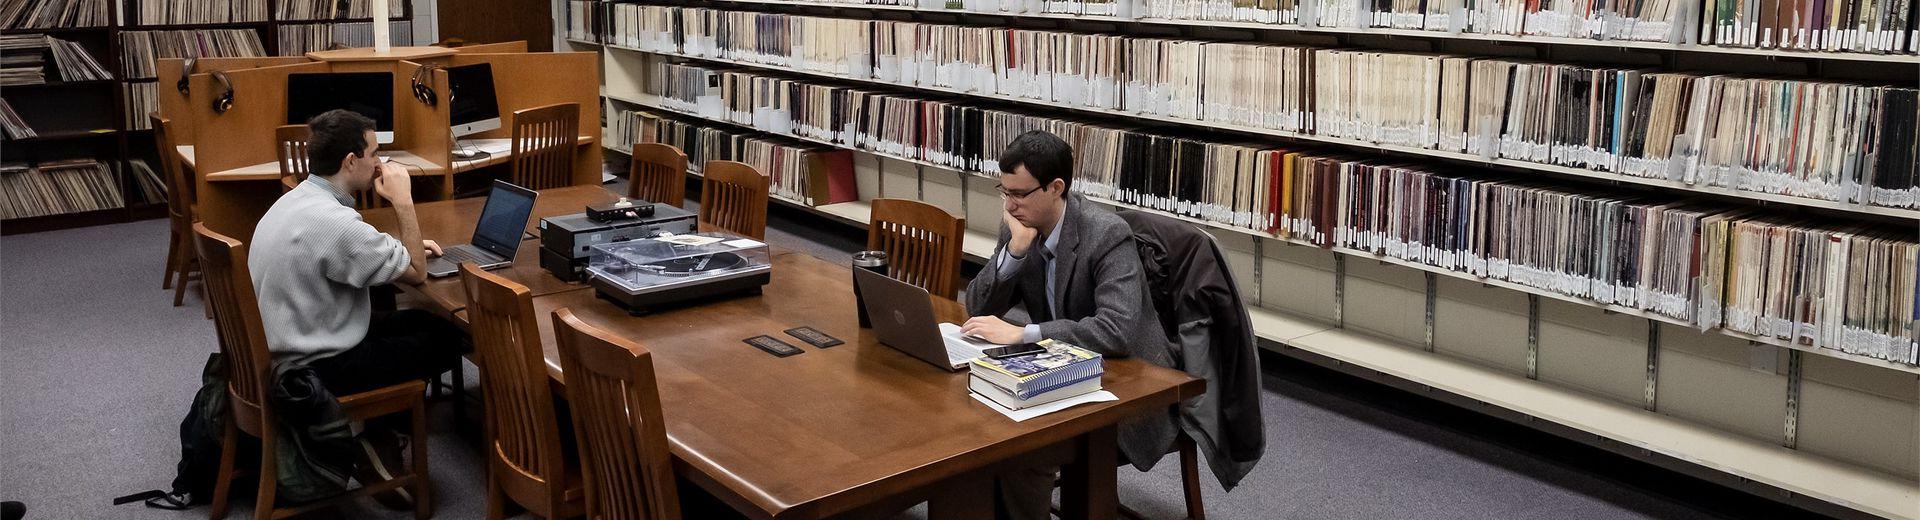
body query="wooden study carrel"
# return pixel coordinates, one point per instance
(231, 154)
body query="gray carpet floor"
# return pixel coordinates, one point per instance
(97, 368)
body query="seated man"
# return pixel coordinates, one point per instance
(1075, 268)
(313, 261)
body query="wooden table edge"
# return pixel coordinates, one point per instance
(1108, 414)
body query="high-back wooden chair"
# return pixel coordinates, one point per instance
(627, 472)
(733, 197)
(243, 346)
(290, 148)
(181, 263)
(524, 458)
(544, 141)
(658, 174)
(922, 243)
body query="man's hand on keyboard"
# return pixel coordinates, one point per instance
(433, 249)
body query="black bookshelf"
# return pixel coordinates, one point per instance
(94, 123)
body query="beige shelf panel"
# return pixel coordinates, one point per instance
(1817, 477)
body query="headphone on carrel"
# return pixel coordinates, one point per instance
(423, 85)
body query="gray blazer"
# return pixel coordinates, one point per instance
(1103, 305)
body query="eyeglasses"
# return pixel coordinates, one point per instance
(1020, 195)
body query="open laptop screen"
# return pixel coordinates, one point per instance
(503, 219)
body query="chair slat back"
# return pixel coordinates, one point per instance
(733, 197)
(179, 187)
(658, 174)
(521, 429)
(236, 319)
(922, 243)
(290, 149)
(627, 471)
(544, 141)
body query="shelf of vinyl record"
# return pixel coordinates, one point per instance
(1828, 30)
(55, 14)
(1670, 291)
(1704, 134)
(140, 14)
(23, 61)
(71, 186)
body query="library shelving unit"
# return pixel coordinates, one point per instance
(93, 119)
(1834, 432)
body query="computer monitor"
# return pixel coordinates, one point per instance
(367, 93)
(471, 99)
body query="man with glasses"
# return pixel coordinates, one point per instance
(1075, 270)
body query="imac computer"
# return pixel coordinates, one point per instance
(473, 107)
(368, 93)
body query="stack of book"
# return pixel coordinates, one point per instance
(1030, 380)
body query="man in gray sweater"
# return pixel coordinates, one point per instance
(313, 261)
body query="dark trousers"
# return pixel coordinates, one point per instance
(401, 346)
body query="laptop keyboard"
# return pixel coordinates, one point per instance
(460, 255)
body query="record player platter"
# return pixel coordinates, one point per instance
(695, 264)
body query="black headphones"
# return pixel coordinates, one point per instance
(423, 84)
(185, 71)
(223, 101)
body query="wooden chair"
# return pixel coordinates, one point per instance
(733, 197)
(243, 344)
(290, 148)
(544, 141)
(182, 264)
(617, 423)
(658, 174)
(524, 458)
(922, 243)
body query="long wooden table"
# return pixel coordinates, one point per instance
(855, 430)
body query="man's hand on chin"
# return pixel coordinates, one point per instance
(993, 329)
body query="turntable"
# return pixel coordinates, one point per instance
(644, 275)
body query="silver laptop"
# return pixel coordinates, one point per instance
(903, 318)
(496, 237)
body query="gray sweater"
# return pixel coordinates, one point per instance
(312, 260)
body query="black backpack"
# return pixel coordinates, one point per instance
(200, 435)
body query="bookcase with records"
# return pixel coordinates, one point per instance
(79, 84)
(1745, 226)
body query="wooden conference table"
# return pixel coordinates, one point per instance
(855, 430)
